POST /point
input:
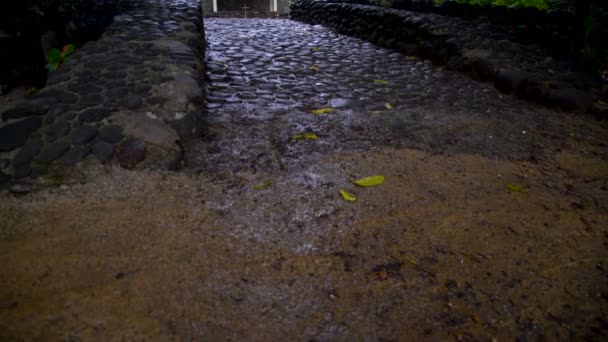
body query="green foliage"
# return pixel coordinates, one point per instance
(55, 57)
(540, 4)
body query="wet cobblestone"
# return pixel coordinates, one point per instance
(267, 75)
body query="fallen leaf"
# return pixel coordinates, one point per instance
(516, 188)
(370, 181)
(68, 50)
(388, 105)
(307, 136)
(376, 112)
(380, 82)
(322, 111)
(412, 261)
(347, 196)
(315, 48)
(314, 68)
(263, 185)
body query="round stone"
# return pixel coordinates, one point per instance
(90, 100)
(53, 151)
(130, 153)
(94, 114)
(23, 171)
(76, 154)
(16, 134)
(103, 151)
(111, 134)
(27, 152)
(130, 102)
(83, 134)
(59, 128)
(58, 96)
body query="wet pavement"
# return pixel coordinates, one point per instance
(253, 240)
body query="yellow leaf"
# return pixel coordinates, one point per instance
(376, 112)
(307, 136)
(347, 196)
(316, 48)
(322, 111)
(263, 185)
(380, 82)
(516, 188)
(388, 105)
(314, 68)
(370, 181)
(411, 260)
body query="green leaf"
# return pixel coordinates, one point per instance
(263, 185)
(54, 56)
(307, 136)
(370, 181)
(516, 188)
(380, 82)
(388, 105)
(68, 50)
(322, 111)
(315, 48)
(52, 66)
(347, 196)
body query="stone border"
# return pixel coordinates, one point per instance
(528, 71)
(130, 96)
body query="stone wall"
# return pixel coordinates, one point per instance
(130, 97)
(526, 70)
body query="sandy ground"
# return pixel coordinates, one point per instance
(441, 250)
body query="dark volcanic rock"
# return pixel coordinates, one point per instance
(91, 100)
(16, 134)
(83, 134)
(111, 134)
(23, 171)
(53, 151)
(130, 153)
(27, 152)
(103, 151)
(130, 102)
(94, 114)
(57, 96)
(76, 154)
(23, 111)
(59, 128)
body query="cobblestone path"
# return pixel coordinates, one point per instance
(267, 75)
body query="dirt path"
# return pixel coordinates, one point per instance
(441, 250)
